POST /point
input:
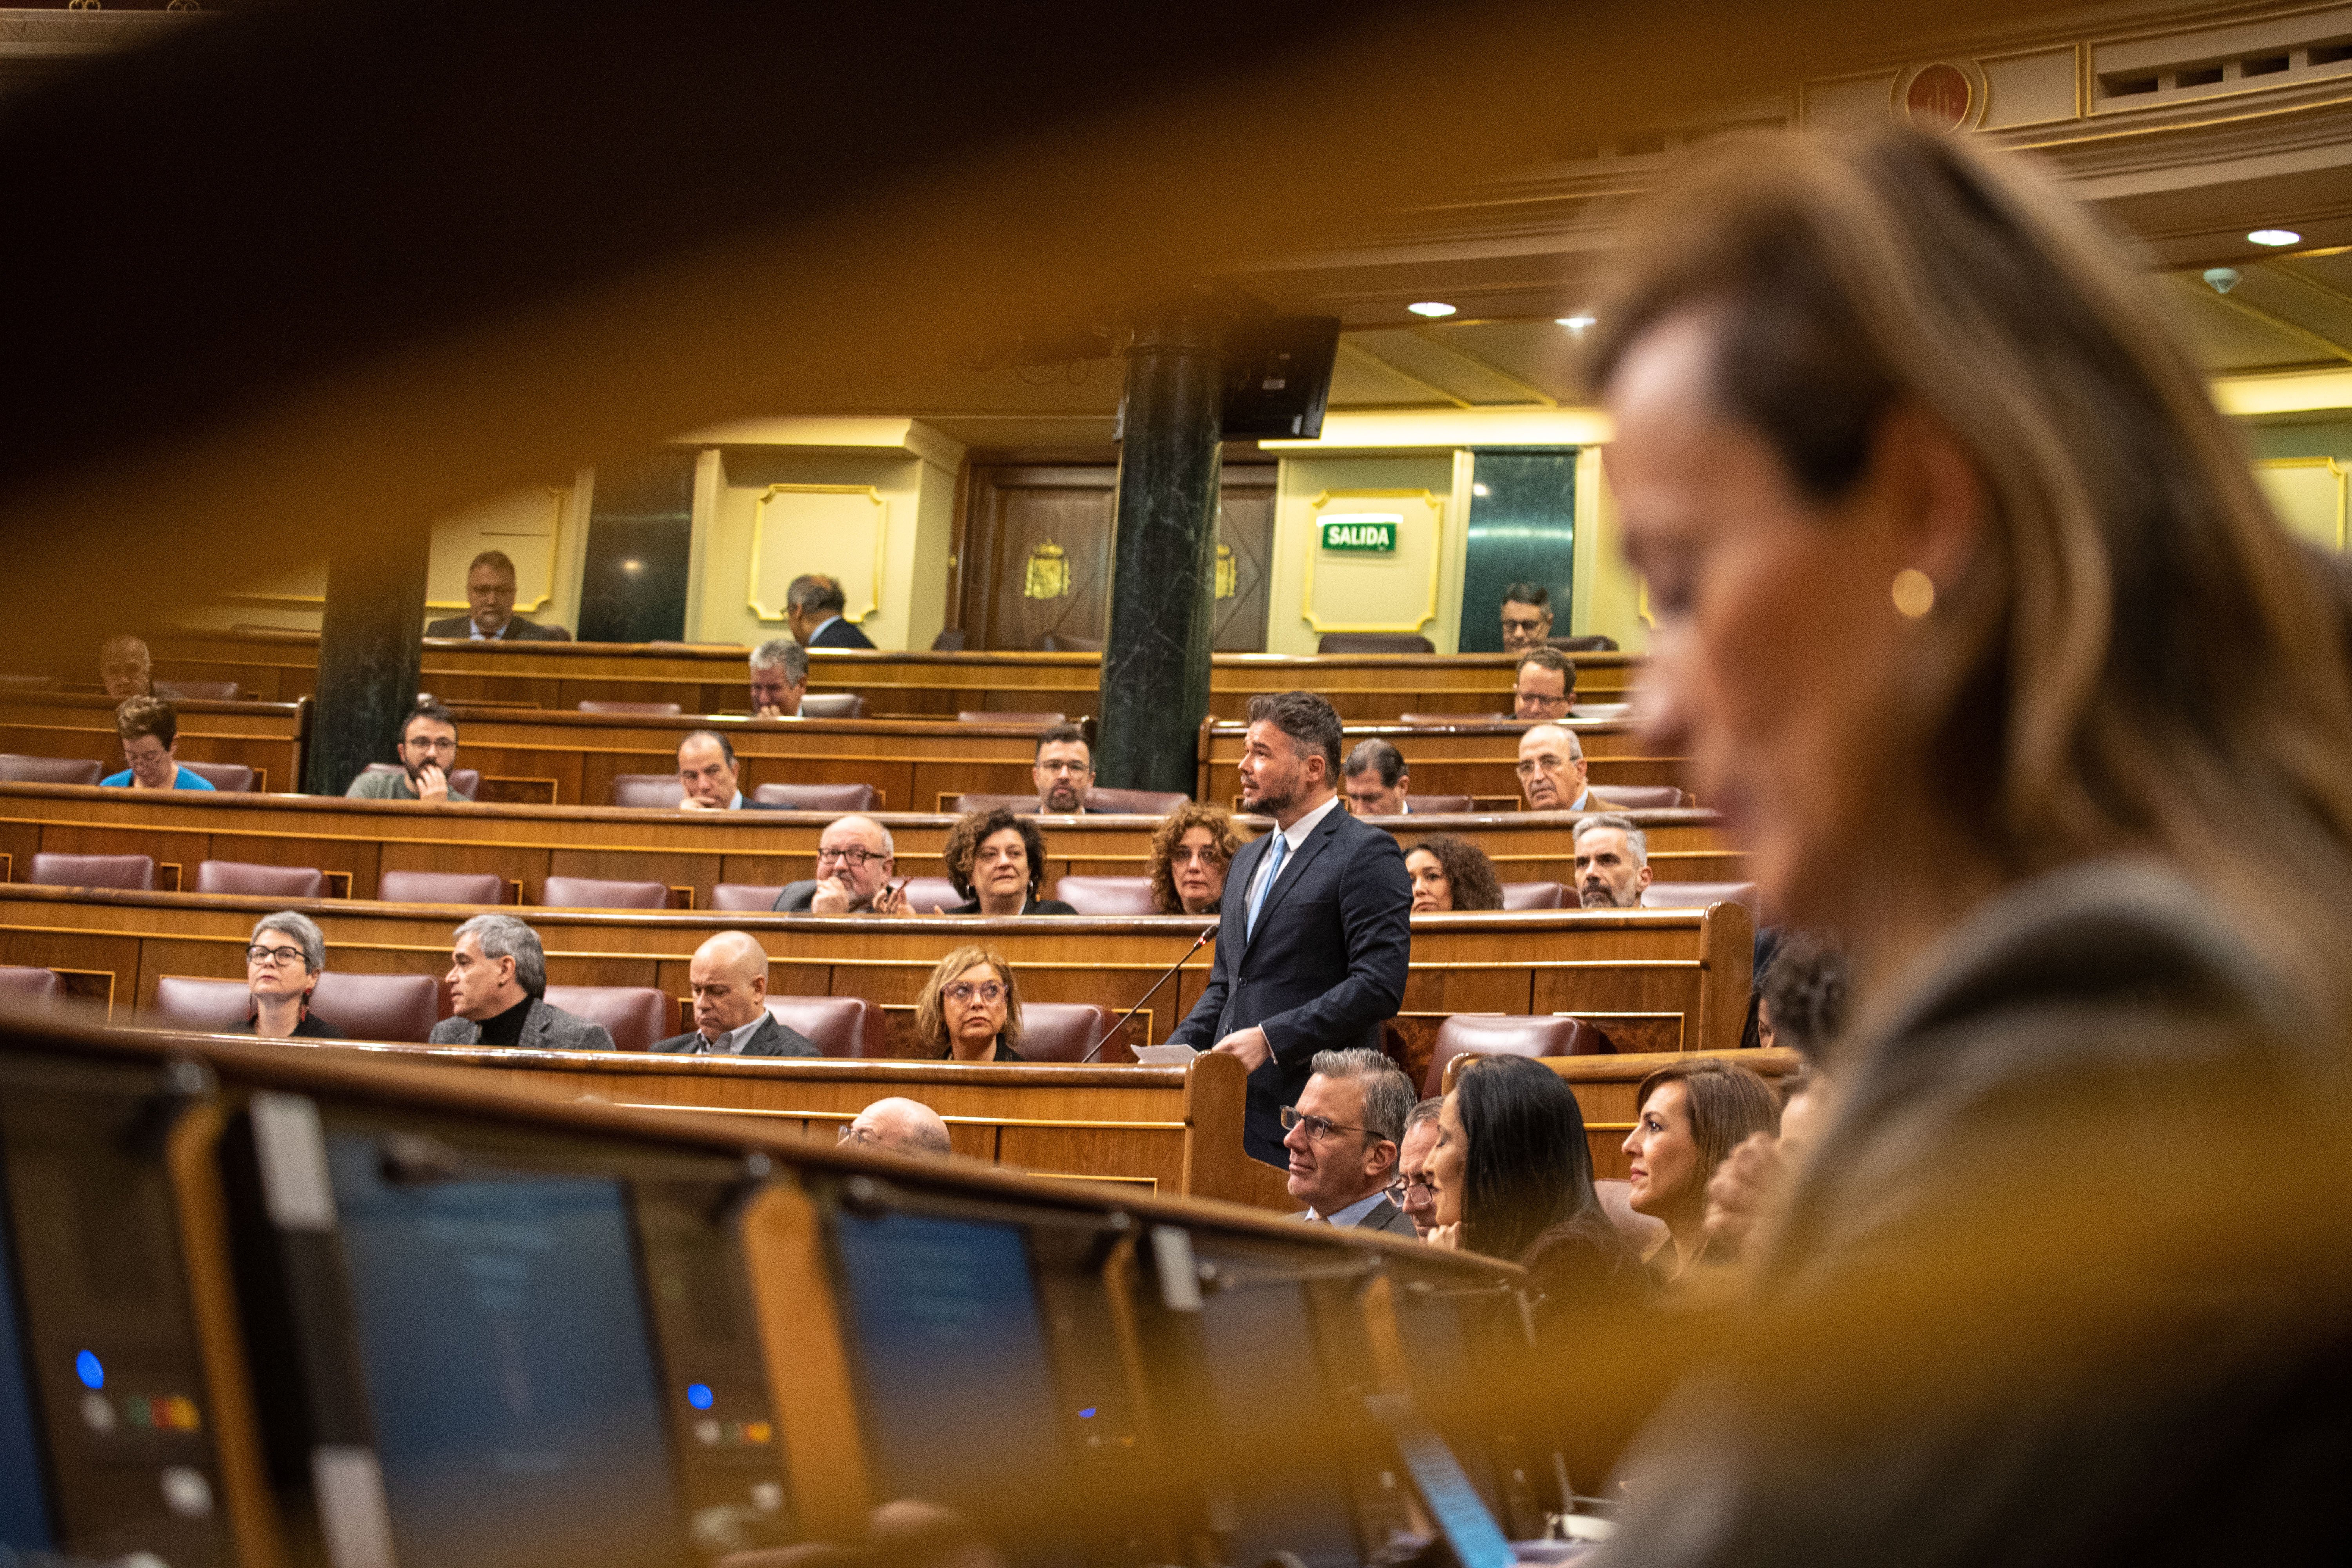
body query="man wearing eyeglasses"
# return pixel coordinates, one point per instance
(855, 862)
(1544, 685)
(1413, 1192)
(428, 755)
(1343, 1137)
(1064, 771)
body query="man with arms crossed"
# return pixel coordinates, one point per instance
(1315, 935)
(1342, 1141)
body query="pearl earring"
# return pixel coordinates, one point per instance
(1915, 592)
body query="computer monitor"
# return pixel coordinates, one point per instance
(106, 1420)
(958, 1396)
(1265, 1376)
(1437, 1352)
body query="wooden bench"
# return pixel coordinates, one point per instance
(713, 679)
(1678, 977)
(356, 841)
(270, 738)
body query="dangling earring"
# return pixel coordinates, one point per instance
(1915, 592)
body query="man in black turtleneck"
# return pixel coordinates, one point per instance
(497, 985)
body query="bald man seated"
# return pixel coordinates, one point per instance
(1552, 771)
(729, 978)
(901, 1126)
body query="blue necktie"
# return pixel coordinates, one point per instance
(1275, 858)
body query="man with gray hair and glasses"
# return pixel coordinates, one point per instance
(1342, 1139)
(855, 862)
(497, 990)
(778, 679)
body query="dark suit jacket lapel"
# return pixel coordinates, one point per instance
(1292, 868)
(767, 1040)
(535, 1024)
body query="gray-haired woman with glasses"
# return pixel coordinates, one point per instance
(282, 966)
(971, 1010)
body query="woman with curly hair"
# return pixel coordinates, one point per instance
(1190, 849)
(1449, 872)
(971, 1010)
(997, 861)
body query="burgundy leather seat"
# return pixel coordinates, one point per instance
(832, 705)
(1063, 1031)
(1039, 721)
(596, 893)
(1509, 1034)
(1374, 642)
(1107, 895)
(656, 792)
(1135, 802)
(1643, 797)
(1588, 643)
(930, 895)
(18, 769)
(397, 1007)
(443, 887)
(1536, 895)
(659, 708)
(743, 897)
(19, 983)
(199, 690)
(204, 1006)
(820, 796)
(1434, 720)
(636, 1016)
(838, 1025)
(1699, 895)
(1440, 804)
(1018, 805)
(134, 872)
(228, 778)
(260, 881)
(467, 782)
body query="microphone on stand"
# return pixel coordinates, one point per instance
(1207, 932)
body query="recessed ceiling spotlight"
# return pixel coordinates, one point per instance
(1431, 308)
(1577, 323)
(2275, 236)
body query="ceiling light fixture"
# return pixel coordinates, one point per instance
(2275, 236)
(1577, 323)
(1432, 307)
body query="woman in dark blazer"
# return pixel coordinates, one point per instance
(997, 861)
(1972, 620)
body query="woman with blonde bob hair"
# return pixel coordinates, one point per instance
(971, 1009)
(1972, 622)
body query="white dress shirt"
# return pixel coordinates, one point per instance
(1297, 834)
(732, 1042)
(1353, 1213)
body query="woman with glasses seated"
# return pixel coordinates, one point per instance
(971, 1010)
(997, 861)
(282, 965)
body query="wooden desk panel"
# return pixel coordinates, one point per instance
(362, 839)
(1686, 965)
(282, 665)
(270, 738)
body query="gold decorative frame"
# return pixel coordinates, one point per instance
(1314, 547)
(558, 501)
(2336, 471)
(881, 544)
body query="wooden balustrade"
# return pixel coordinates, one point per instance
(270, 738)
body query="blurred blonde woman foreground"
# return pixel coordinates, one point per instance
(1973, 624)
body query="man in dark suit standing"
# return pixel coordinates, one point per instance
(1316, 935)
(729, 978)
(812, 607)
(490, 591)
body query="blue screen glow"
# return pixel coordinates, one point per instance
(699, 1395)
(88, 1368)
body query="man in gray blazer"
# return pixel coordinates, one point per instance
(729, 977)
(498, 989)
(1317, 924)
(1342, 1138)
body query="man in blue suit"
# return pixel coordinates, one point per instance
(812, 607)
(1315, 933)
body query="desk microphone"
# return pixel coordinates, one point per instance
(1206, 932)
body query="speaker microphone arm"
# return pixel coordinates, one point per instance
(1206, 932)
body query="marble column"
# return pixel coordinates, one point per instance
(1155, 673)
(369, 646)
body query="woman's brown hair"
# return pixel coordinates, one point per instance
(1466, 866)
(1724, 1102)
(930, 1015)
(974, 828)
(1170, 833)
(2139, 651)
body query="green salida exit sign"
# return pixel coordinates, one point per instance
(1369, 532)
